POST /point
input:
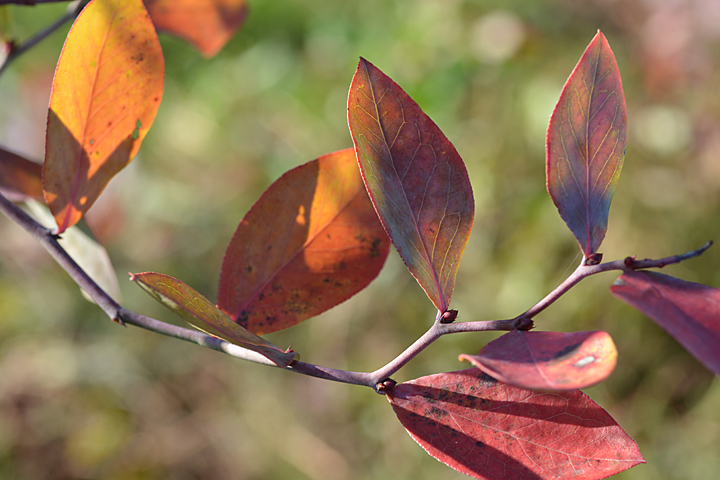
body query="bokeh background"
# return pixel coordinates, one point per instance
(81, 397)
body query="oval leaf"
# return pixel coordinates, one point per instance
(310, 242)
(207, 24)
(198, 311)
(548, 360)
(586, 144)
(490, 430)
(20, 178)
(415, 178)
(105, 94)
(688, 311)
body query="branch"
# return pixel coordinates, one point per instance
(379, 380)
(15, 50)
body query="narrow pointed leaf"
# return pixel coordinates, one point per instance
(688, 311)
(489, 430)
(198, 311)
(20, 178)
(106, 92)
(310, 242)
(415, 178)
(207, 24)
(548, 360)
(586, 144)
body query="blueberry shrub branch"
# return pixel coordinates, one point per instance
(379, 380)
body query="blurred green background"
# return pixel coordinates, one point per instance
(81, 397)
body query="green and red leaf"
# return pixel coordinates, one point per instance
(207, 24)
(198, 311)
(548, 360)
(586, 144)
(20, 178)
(489, 430)
(106, 92)
(415, 178)
(310, 242)
(688, 311)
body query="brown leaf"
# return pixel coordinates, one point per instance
(311, 241)
(20, 178)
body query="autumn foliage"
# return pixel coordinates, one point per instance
(322, 232)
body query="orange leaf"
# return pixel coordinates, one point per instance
(106, 92)
(207, 24)
(19, 178)
(310, 242)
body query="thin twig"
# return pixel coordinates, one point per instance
(18, 49)
(379, 380)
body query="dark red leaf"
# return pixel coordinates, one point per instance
(20, 178)
(310, 242)
(548, 360)
(586, 144)
(688, 311)
(415, 178)
(490, 430)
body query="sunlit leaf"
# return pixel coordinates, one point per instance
(311, 241)
(198, 311)
(207, 24)
(20, 178)
(688, 311)
(415, 178)
(489, 430)
(548, 360)
(586, 144)
(106, 91)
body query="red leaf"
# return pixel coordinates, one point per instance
(310, 242)
(207, 24)
(198, 311)
(105, 95)
(688, 311)
(415, 178)
(490, 430)
(548, 360)
(586, 144)
(20, 178)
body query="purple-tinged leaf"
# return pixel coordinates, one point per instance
(688, 311)
(490, 430)
(548, 360)
(416, 180)
(586, 144)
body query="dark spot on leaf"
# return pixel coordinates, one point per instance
(566, 351)
(243, 318)
(375, 248)
(326, 280)
(249, 269)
